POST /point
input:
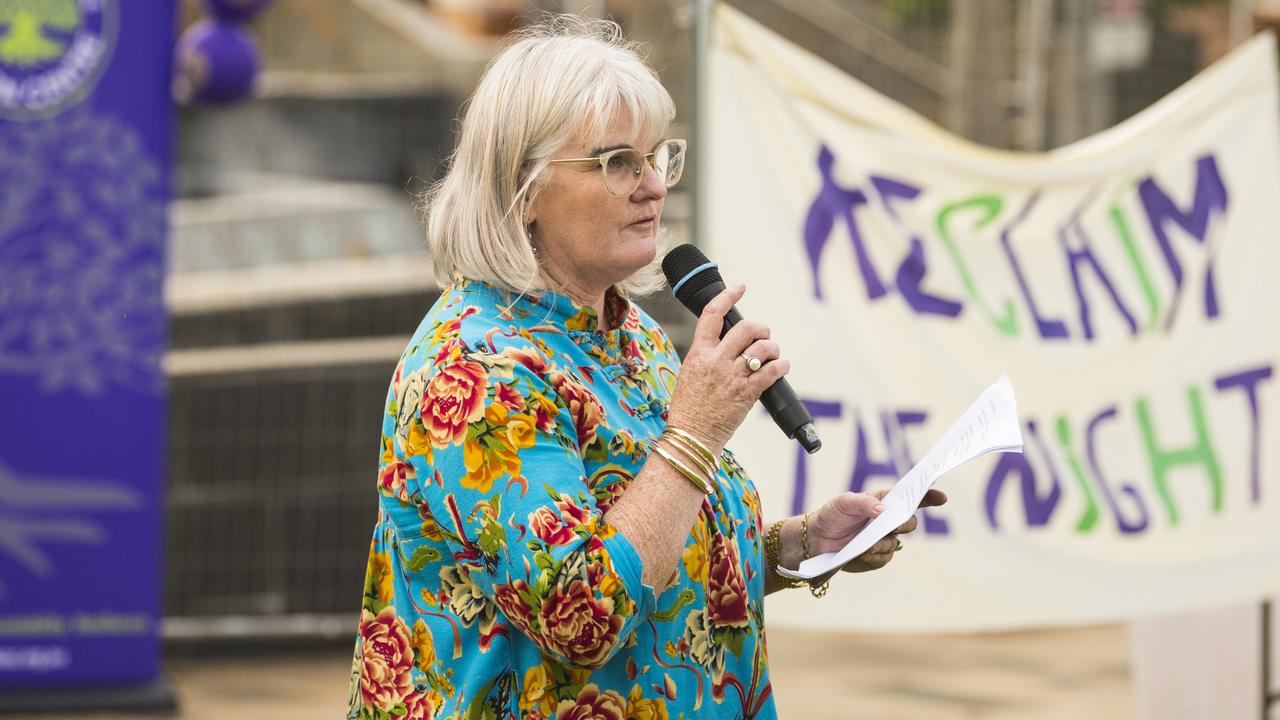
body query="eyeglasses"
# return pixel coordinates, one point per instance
(624, 168)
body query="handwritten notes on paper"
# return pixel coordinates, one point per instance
(989, 425)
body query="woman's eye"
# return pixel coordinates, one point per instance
(618, 162)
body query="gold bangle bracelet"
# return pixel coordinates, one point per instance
(693, 455)
(804, 534)
(690, 475)
(816, 590)
(700, 446)
(771, 556)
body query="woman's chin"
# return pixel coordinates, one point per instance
(640, 246)
(647, 253)
(631, 253)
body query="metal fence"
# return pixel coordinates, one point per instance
(1016, 74)
(297, 271)
(272, 455)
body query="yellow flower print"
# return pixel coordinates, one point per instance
(380, 577)
(494, 454)
(520, 428)
(642, 708)
(535, 687)
(608, 584)
(695, 555)
(496, 415)
(599, 528)
(424, 649)
(445, 331)
(695, 562)
(486, 462)
(417, 442)
(749, 497)
(522, 431)
(584, 320)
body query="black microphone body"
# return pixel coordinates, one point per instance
(695, 280)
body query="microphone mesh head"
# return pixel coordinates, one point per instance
(683, 260)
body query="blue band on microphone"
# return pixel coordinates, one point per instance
(704, 266)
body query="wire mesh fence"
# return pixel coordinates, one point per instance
(266, 512)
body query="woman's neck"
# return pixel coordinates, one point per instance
(593, 298)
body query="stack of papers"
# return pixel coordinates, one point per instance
(989, 425)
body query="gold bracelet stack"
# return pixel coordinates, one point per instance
(771, 556)
(693, 451)
(816, 590)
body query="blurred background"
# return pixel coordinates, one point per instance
(297, 270)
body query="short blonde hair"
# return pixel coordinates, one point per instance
(560, 80)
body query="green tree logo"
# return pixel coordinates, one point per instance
(24, 25)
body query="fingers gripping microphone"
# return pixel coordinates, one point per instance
(694, 281)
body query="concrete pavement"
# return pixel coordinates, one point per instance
(1045, 674)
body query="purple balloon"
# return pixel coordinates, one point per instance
(216, 63)
(235, 10)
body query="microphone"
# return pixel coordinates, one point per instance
(694, 281)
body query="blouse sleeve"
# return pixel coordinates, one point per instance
(499, 468)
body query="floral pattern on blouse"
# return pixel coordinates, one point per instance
(495, 588)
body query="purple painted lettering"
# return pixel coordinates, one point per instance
(1048, 328)
(1084, 255)
(1248, 380)
(1038, 508)
(911, 272)
(1127, 489)
(1210, 197)
(835, 202)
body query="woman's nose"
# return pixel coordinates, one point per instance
(651, 185)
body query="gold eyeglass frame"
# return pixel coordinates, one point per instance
(648, 158)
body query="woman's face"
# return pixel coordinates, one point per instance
(586, 238)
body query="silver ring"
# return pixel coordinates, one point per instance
(753, 362)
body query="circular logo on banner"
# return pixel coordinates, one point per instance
(52, 53)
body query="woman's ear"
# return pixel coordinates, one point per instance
(528, 210)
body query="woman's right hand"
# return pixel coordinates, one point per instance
(715, 389)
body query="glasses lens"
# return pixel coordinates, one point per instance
(622, 171)
(668, 160)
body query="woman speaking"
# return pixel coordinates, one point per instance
(561, 531)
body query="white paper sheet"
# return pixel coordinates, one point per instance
(989, 425)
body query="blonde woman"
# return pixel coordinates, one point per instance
(562, 532)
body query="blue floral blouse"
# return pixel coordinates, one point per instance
(495, 588)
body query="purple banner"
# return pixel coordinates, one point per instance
(85, 136)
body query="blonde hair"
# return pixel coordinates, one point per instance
(560, 80)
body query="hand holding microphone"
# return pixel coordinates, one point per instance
(723, 337)
(716, 387)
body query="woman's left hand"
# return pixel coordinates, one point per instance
(841, 517)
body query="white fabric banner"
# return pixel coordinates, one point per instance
(1125, 284)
